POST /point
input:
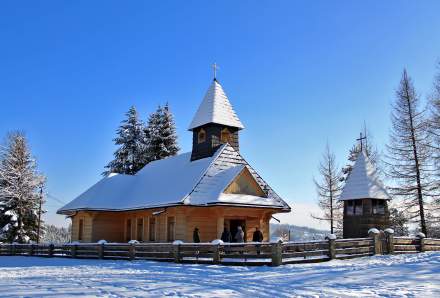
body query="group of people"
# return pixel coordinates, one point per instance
(239, 236)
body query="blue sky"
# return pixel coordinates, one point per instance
(299, 74)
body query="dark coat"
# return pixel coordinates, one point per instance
(226, 236)
(257, 237)
(196, 236)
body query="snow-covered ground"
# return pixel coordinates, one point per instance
(415, 275)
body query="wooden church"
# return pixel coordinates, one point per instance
(210, 188)
(365, 200)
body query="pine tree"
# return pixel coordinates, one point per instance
(399, 222)
(129, 157)
(329, 189)
(19, 191)
(408, 154)
(161, 135)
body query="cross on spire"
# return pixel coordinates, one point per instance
(214, 68)
(361, 138)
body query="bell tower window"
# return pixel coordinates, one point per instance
(225, 136)
(201, 136)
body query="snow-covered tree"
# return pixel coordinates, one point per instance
(54, 234)
(161, 134)
(399, 222)
(328, 189)
(19, 191)
(408, 157)
(130, 156)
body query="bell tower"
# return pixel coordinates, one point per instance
(214, 123)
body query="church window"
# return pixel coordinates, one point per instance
(140, 229)
(128, 230)
(354, 207)
(350, 208)
(201, 136)
(152, 229)
(81, 229)
(225, 136)
(378, 206)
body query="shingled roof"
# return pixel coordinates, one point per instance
(215, 108)
(176, 181)
(363, 182)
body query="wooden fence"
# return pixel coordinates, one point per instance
(251, 254)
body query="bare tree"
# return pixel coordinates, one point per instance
(328, 189)
(408, 159)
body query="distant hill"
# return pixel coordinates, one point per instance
(297, 233)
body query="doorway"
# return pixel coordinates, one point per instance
(234, 224)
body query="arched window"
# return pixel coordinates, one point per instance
(225, 136)
(201, 136)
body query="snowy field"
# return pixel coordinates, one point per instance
(415, 275)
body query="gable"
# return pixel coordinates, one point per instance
(245, 184)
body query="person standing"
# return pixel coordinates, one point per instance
(239, 236)
(196, 235)
(226, 235)
(257, 237)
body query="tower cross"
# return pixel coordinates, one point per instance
(361, 138)
(215, 68)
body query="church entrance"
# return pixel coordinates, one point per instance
(234, 224)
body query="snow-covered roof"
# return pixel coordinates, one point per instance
(174, 181)
(215, 108)
(363, 182)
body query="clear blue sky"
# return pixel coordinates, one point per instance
(299, 74)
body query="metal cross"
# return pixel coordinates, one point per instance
(214, 68)
(360, 139)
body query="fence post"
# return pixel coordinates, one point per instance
(131, 252)
(73, 249)
(421, 238)
(389, 233)
(374, 233)
(176, 253)
(216, 256)
(332, 248)
(51, 249)
(277, 253)
(101, 251)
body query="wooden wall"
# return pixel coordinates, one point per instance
(112, 226)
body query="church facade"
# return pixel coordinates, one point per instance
(210, 188)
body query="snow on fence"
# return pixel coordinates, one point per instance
(273, 254)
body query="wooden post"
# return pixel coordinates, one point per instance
(374, 233)
(73, 249)
(277, 254)
(101, 250)
(51, 249)
(131, 252)
(216, 256)
(421, 238)
(176, 252)
(390, 240)
(31, 250)
(332, 248)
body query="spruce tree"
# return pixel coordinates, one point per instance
(408, 153)
(161, 135)
(19, 191)
(328, 189)
(129, 157)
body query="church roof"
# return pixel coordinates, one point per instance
(215, 108)
(363, 182)
(176, 181)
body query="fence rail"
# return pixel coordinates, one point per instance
(273, 254)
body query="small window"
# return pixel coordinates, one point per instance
(350, 208)
(152, 229)
(170, 228)
(378, 207)
(81, 229)
(128, 230)
(225, 136)
(358, 208)
(140, 229)
(201, 136)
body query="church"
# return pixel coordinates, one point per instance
(210, 188)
